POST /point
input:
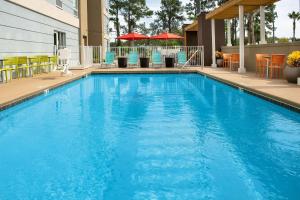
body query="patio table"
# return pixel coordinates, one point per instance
(268, 58)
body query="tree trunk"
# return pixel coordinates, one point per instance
(169, 26)
(294, 30)
(118, 28)
(273, 29)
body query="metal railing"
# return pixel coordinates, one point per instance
(90, 55)
(195, 54)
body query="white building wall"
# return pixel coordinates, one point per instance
(27, 27)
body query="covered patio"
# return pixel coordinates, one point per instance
(233, 9)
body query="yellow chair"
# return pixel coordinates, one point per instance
(44, 63)
(10, 64)
(53, 62)
(34, 63)
(23, 66)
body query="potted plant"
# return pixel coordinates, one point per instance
(292, 71)
(219, 57)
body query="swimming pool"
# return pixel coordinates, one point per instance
(163, 136)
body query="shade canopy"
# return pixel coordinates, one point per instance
(166, 36)
(133, 36)
(230, 9)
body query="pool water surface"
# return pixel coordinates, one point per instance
(155, 136)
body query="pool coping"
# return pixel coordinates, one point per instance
(21, 99)
(264, 95)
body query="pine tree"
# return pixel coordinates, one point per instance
(170, 15)
(115, 7)
(133, 11)
(195, 7)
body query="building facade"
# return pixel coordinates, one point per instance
(40, 27)
(94, 23)
(35, 27)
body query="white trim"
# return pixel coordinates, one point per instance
(262, 25)
(213, 40)
(242, 40)
(229, 44)
(46, 8)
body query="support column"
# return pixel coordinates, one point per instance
(213, 39)
(262, 25)
(242, 40)
(229, 44)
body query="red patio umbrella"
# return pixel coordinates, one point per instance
(166, 36)
(133, 36)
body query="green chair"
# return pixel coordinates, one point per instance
(133, 59)
(23, 66)
(156, 58)
(109, 59)
(181, 58)
(10, 64)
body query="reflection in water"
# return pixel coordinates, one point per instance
(149, 137)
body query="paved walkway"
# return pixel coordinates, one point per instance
(279, 90)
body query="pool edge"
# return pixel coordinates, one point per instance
(269, 97)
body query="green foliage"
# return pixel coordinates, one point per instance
(194, 7)
(271, 16)
(133, 11)
(115, 7)
(170, 16)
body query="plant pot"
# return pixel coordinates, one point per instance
(291, 74)
(220, 62)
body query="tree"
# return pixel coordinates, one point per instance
(170, 15)
(195, 7)
(133, 11)
(294, 16)
(115, 7)
(155, 27)
(271, 16)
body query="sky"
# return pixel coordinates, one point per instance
(283, 23)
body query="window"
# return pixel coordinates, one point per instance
(59, 3)
(60, 39)
(75, 7)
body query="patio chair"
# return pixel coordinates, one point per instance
(109, 59)
(10, 64)
(181, 58)
(23, 66)
(156, 58)
(277, 65)
(261, 64)
(34, 63)
(133, 59)
(44, 63)
(235, 61)
(226, 60)
(64, 57)
(53, 63)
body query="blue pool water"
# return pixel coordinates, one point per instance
(121, 137)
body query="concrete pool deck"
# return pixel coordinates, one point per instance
(275, 90)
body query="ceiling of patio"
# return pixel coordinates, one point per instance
(230, 9)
